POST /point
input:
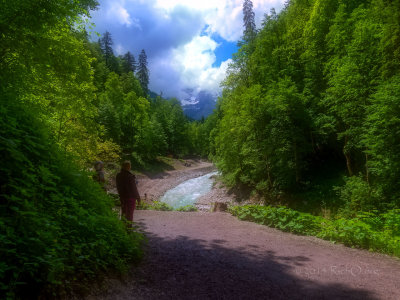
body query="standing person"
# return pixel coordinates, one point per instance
(99, 176)
(127, 190)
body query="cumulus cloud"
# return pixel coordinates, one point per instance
(117, 13)
(119, 49)
(190, 66)
(224, 17)
(194, 58)
(177, 36)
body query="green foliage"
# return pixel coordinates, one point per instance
(367, 230)
(143, 128)
(91, 100)
(158, 205)
(46, 62)
(318, 85)
(264, 137)
(282, 218)
(58, 228)
(143, 72)
(392, 222)
(187, 208)
(199, 137)
(357, 195)
(169, 115)
(382, 139)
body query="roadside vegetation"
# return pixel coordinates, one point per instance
(373, 231)
(310, 107)
(162, 206)
(309, 120)
(59, 232)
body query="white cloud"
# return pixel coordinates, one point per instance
(194, 57)
(224, 17)
(180, 56)
(192, 67)
(119, 49)
(116, 12)
(197, 5)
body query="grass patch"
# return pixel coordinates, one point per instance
(187, 208)
(162, 206)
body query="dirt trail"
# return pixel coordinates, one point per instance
(203, 255)
(216, 256)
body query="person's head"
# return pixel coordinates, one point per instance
(126, 165)
(98, 165)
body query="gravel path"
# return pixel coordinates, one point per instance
(203, 255)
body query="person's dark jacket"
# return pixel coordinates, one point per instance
(126, 185)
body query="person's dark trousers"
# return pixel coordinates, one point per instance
(128, 207)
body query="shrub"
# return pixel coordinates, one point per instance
(58, 229)
(162, 206)
(357, 196)
(187, 208)
(368, 230)
(156, 205)
(392, 222)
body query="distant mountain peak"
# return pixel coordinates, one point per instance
(198, 105)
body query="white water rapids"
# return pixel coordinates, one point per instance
(187, 192)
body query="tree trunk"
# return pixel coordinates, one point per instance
(296, 163)
(366, 169)
(346, 153)
(348, 164)
(269, 176)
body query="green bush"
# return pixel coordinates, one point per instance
(350, 232)
(162, 206)
(58, 229)
(156, 205)
(392, 222)
(187, 208)
(357, 196)
(368, 230)
(279, 217)
(143, 206)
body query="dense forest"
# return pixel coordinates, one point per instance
(310, 109)
(133, 122)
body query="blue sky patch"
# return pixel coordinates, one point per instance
(224, 51)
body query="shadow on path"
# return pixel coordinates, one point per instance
(185, 268)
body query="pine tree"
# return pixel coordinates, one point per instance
(143, 72)
(106, 47)
(248, 21)
(128, 63)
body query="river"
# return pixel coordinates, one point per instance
(189, 191)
